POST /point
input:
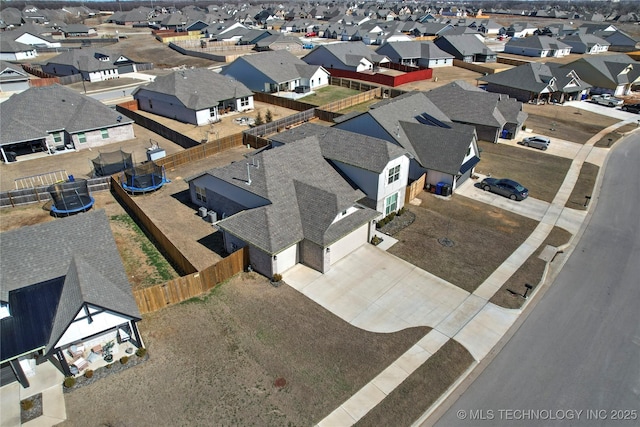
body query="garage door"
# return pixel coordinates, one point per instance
(348, 244)
(125, 69)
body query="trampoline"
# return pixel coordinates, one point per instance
(144, 178)
(70, 197)
(110, 163)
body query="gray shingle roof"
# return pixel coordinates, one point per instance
(34, 113)
(198, 88)
(348, 53)
(80, 248)
(11, 46)
(412, 49)
(278, 65)
(604, 71)
(538, 42)
(86, 59)
(364, 152)
(304, 195)
(466, 44)
(467, 104)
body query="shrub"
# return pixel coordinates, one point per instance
(109, 365)
(277, 277)
(88, 373)
(402, 210)
(259, 120)
(268, 117)
(26, 404)
(69, 382)
(375, 240)
(141, 352)
(124, 360)
(391, 216)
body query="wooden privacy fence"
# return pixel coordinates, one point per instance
(281, 124)
(415, 188)
(279, 101)
(39, 194)
(179, 261)
(192, 285)
(341, 104)
(385, 79)
(200, 152)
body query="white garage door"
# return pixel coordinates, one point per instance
(286, 259)
(348, 244)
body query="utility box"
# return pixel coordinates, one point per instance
(202, 211)
(212, 217)
(155, 153)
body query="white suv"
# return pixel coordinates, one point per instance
(541, 142)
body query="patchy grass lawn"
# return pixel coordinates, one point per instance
(584, 186)
(362, 107)
(404, 405)
(483, 237)
(328, 94)
(541, 173)
(215, 360)
(611, 138)
(568, 123)
(509, 295)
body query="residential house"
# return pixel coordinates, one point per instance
(537, 46)
(13, 78)
(58, 308)
(519, 29)
(293, 204)
(619, 41)
(466, 48)
(78, 30)
(199, 96)
(349, 56)
(586, 43)
(279, 42)
(416, 124)
(55, 119)
(32, 35)
(538, 82)
(95, 65)
(412, 53)
(467, 104)
(15, 51)
(614, 74)
(276, 71)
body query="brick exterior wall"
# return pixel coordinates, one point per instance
(312, 255)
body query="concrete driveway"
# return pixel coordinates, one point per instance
(616, 113)
(378, 292)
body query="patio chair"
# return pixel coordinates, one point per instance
(81, 363)
(76, 350)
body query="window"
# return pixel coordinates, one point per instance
(391, 204)
(151, 104)
(82, 138)
(201, 194)
(105, 133)
(57, 137)
(244, 101)
(212, 112)
(394, 174)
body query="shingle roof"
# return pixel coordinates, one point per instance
(198, 88)
(467, 104)
(11, 46)
(81, 249)
(440, 148)
(349, 53)
(588, 40)
(538, 42)
(365, 152)
(278, 65)
(412, 49)
(604, 71)
(37, 111)
(465, 44)
(303, 192)
(86, 59)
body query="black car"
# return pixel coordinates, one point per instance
(632, 108)
(505, 187)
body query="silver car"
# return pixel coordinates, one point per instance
(541, 142)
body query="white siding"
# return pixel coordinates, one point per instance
(232, 192)
(32, 40)
(80, 329)
(251, 77)
(434, 177)
(385, 189)
(348, 244)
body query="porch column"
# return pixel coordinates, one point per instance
(4, 157)
(134, 329)
(17, 369)
(63, 363)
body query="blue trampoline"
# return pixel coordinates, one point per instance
(144, 178)
(70, 197)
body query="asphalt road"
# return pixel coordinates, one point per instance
(576, 359)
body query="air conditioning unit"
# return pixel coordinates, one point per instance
(212, 217)
(202, 211)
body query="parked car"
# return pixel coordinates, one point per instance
(632, 108)
(541, 142)
(311, 34)
(505, 187)
(606, 99)
(307, 46)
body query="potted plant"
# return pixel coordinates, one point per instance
(106, 352)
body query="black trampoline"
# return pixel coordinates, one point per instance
(144, 178)
(70, 197)
(109, 163)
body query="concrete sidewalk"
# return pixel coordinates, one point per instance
(473, 322)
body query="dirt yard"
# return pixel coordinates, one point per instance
(441, 76)
(215, 361)
(568, 123)
(483, 238)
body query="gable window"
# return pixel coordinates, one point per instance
(394, 174)
(201, 194)
(391, 204)
(82, 138)
(104, 133)
(244, 101)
